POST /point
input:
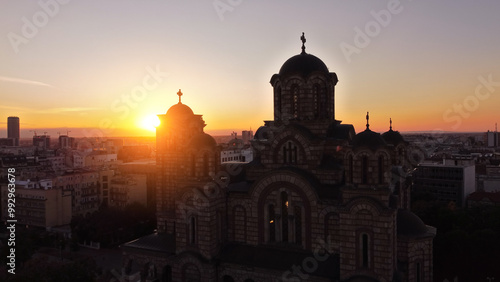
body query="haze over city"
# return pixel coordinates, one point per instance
(232, 140)
(109, 67)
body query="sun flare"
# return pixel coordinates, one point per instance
(150, 122)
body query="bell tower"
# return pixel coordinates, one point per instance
(304, 89)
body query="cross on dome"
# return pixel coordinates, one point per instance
(303, 39)
(179, 94)
(367, 120)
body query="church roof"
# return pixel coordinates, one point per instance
(278, 258)
(368, 138)
(303, 64)
(162, 243)
(340, 131)
(485, 196)
(261, 133)
(202, 139)
(235, 143)
(393, 137)
(179, 110)
(409, 224)
(361, 278)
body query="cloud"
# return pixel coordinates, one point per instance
(67, 110)
(24, 81)
(82, 110)
(14, 108)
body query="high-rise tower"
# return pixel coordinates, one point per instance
(13, 129)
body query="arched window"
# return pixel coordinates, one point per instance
(192, 163)
(419, 272)
(364, 170)
(272, 221)
(192, 230)
(401, 156)
(323, 103)
(166, 275)
(285, 154)
(351, 168)
(290, 153)
(284, 217)
(380, 170)
(316, 103)
(219, 227)
(278, 103)
(297, 212)
(331, 223)
(190, 273)
(295, 101)
(365, 252)
(205, 164)
(239, 224)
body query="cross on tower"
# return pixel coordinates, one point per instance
(179, 94)
(367, 120)
(303, 39)
(390, 124)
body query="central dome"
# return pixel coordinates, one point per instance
(368, 138)
(410, 224)
(303, 64)
(179, 111)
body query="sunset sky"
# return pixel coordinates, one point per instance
(109, 65)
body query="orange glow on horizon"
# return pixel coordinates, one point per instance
(150, 122)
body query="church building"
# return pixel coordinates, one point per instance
(317, 203)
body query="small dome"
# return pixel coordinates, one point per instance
(368, 138)
(235, 143)
(179, 110)
(393, 137)
(340, 131)
(262, 133)
(303, 64)
(410, 224)
(202, 140)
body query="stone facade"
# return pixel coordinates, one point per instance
(317, 203)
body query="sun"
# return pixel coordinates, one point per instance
(150, 122)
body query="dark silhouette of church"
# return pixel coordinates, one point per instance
(318, 202)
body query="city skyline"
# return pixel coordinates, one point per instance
(70, 65)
